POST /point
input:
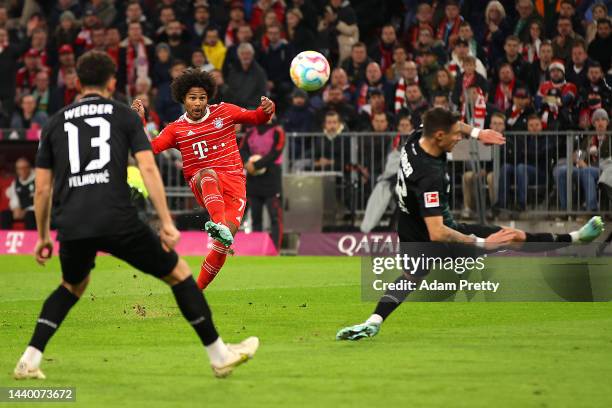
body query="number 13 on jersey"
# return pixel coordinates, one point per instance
(101, 141)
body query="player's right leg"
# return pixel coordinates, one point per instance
(144, 251)
(192, 303)
(387, 304)
(77, 260)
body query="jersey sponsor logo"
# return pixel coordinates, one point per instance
(432, 199)
(218, 123)
(200, 149)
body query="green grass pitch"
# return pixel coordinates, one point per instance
(126, 344)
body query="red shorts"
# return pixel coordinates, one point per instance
(232, 187)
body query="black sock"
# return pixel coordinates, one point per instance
(193, 305)
(393, 298)
(547, 237)
(53, 312)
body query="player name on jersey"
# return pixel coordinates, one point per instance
(88, 179)
(89, 110)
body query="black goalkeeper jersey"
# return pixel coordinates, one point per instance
(86, 145)
(423, 188)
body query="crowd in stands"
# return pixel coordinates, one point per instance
(528, 61)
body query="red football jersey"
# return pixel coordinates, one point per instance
(209, 143)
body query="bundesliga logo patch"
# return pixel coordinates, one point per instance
(432, 200)
(218, 122)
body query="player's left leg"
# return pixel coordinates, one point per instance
(143, 250)
(208, 190)
(585, 234)
(77, 260)
(234, 198)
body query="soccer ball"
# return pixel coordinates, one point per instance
(309, 70)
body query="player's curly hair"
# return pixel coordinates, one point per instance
(192, 78)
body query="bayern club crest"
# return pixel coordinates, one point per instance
(218, 123)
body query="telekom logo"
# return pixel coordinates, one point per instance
(14, 241)
(200, 149)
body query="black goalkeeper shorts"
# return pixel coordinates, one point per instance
(140, 248)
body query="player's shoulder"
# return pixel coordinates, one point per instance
(410, 147)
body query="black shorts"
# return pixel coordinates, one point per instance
(140, 248)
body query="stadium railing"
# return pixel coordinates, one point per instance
(531, 169)
(533, 166)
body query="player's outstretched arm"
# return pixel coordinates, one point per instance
(438, 232)
(43, 188)
(486, 136)
(258, 116)
(152, 179)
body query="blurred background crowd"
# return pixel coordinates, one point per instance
(525, 65)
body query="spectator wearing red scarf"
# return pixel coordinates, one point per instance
(502, 92)
(26, 75)
(262, 6)
(66, 62)
(236, 20)
(448, 29)
(112, 41)
(382, 51)
(556, 97)
(469, 77)
(38, 42)
(83, 40)
(424, 17)
(135, 58)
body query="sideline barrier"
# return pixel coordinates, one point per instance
(346, 244)
(191, 243)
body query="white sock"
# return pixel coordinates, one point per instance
(574, 235)
(32, 356)
(218, 353)
(375, 319)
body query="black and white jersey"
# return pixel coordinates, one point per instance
(423, 189)
(86, 145)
